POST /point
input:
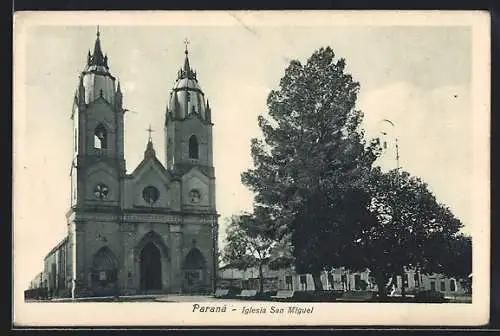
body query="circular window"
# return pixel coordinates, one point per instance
(101, 191)
(195, 196)
(150, 194)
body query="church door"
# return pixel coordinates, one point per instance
(150, 268)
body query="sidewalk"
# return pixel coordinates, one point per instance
(136, 298)
(124, 298)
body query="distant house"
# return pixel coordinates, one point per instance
(335, 279)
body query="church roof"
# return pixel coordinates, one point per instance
(96, 80)
(97, 61)
(150, 155)
(58, 246)
(187, 97)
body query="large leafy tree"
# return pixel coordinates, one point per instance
(310, 167)
(406, 227)
(456, 257)
(248, 244)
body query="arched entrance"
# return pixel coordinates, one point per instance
(104, 275)
(194, 272)
(150, 268)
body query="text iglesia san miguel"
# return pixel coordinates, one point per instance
(153, 230)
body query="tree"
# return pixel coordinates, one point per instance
(310, 167)
(248, 244)
(406, 227)
(457, 259)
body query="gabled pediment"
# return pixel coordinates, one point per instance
(151, 165)
(151, 181)
(101, 101)
(195, 172)
(101, 166)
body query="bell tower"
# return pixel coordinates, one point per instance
(188, 124)
(98, 162)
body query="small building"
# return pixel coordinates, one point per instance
(336, 279)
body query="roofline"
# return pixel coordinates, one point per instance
(54, 249)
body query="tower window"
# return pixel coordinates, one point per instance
(100, 137)
(193, 147)
(195, 196)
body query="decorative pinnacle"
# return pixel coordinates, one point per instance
(186, 43)
(98, 32)
(150, 130)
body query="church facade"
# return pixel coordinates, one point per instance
(153, 230)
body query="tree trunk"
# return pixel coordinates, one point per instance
(318, 285)
(381, 281)
(261, 279)
(403, 289)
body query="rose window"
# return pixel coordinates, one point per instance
(101, 191)
(150, 194)
(195, 196)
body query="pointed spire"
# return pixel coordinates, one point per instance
(81, 91)
(208, 112)
(97, 57)
(186, 61)
(118, 97)
(150, 152)
(186, 71)
(175, 107)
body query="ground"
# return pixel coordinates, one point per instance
(187, 298)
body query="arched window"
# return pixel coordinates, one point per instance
(104, 267)
(100, 137)
(193, 147)
(194, 266)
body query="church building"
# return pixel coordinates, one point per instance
(153, 230)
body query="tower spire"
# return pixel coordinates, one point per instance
(149, 148)
(187, 68)
(97, 57)
(150, 130)
(186, 71)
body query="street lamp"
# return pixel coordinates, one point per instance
(387, 126)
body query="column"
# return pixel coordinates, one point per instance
(176, 258)
(127, 271)
(79, 279)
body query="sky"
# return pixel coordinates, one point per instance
(417, 76)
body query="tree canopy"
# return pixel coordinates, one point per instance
(248, 244)
(407, 228)
(313, 157)
(315, 184)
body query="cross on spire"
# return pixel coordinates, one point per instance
(150, 130)
(186, 43)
